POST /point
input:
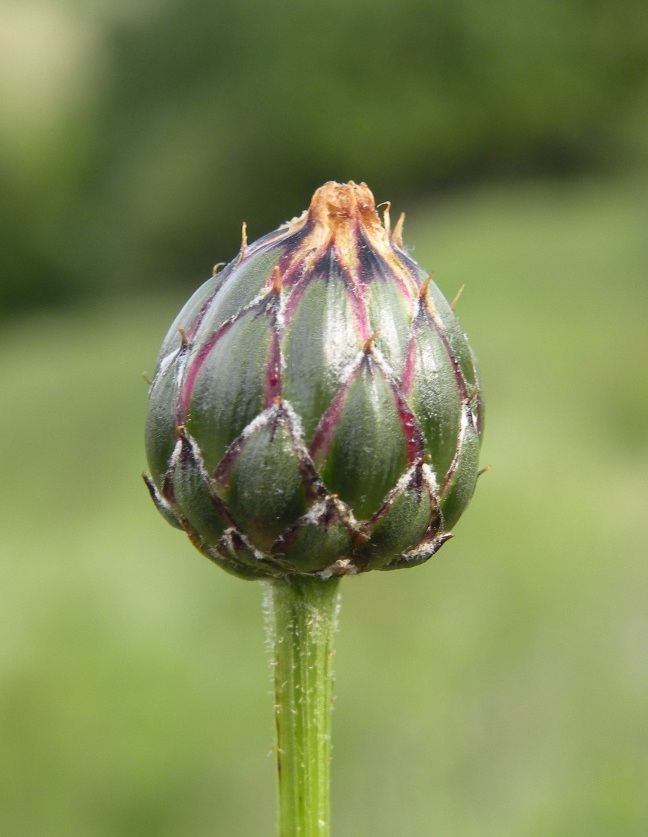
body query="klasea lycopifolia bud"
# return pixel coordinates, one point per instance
(316, 407)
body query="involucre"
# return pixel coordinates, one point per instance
(316, 408)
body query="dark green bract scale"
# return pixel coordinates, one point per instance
(316, 407)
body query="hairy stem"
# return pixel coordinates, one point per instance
(301, 616)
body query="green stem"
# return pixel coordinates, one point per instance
(301, 620)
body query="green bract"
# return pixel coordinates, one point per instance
(316, 406)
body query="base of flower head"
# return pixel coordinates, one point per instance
(230, 516)
(234, 553)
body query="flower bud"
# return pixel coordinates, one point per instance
(316, 407)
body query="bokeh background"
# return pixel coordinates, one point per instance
(503, 687)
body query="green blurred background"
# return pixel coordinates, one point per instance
(501, 689)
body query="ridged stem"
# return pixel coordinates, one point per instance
(301, 617)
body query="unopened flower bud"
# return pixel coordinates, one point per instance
(316, 407)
